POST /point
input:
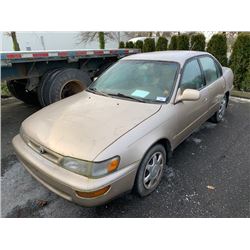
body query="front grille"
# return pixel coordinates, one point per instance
(44, 152)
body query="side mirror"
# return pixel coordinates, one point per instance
(187, 95)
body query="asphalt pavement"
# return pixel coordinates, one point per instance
(208, 176)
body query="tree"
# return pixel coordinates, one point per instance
(240, 60)
(217, 46)
(101, 40)
(162, 44)
(173, 43)
(149, 45)
(198, 42)
(12, 34)
(183, 42)
(89, 36)
(129, 45)
(121, 45)
(246, 82)
(139, 45)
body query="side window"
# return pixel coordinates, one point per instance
(219, 69)
(191, 76)
(209, 69)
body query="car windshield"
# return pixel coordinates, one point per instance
(149, 81)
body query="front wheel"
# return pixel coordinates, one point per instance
(150, 171)
(219, 115)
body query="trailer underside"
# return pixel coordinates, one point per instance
(46, 77)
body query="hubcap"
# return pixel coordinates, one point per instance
(153, 170)
(71, 88)
(222, 108)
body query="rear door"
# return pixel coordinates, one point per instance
(215, 83)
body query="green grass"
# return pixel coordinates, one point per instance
(241, 94)
(4, 90)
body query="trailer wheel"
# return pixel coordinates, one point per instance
(67, 82)
(44, 86)
(17, 89)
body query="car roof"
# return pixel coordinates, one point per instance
(179, 56)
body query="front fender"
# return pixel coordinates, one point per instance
(132, 146)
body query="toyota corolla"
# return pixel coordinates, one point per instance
(118, 134)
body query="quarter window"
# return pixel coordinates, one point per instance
(192, 77)
(209, 69)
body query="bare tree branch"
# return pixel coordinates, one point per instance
(86, 36)
(89, 36)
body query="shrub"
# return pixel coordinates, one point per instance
(139, 44)
(217, 46)
(149, 45)
(129, 45)
(240, 61)
(198, 42)
(162, 44)
(121, 45)
(183, 42)
(246, 82)
(4, 90)
(173, 43)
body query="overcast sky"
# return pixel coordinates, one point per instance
(52, 41)
(56, 41)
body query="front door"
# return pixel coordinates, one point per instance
(190, 114)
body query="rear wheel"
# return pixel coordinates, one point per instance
(42, 91)
(64, 83)
(17, 89)
(150, 171)
(219, 115)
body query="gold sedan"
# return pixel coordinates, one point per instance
(119, 134)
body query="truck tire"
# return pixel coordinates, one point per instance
(43, 86)
(67, 82)
(18, 90)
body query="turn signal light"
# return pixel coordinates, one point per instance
(113, 165)
(93, 194)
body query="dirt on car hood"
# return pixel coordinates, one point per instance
(83, 125)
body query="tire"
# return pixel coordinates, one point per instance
(65, 83)
(42, 86)
(144, 184)
(219, 115)
(18, 90)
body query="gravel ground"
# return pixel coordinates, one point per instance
(209, 175)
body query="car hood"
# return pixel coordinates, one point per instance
(83, 125)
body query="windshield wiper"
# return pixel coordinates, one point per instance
(127, 96)
(94, 90)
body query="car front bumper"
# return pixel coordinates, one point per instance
(66, 183)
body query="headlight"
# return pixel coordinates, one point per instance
(90, 169)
